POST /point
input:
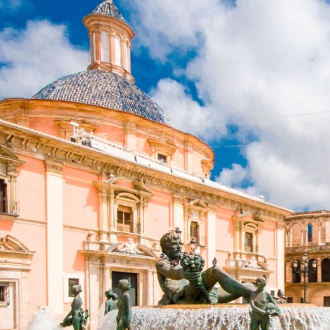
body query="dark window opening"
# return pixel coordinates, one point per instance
(162, 158)
(124, 218)
(325, 266)
(296, 277)
(194, 231)
(3, 196)
(326, 301)
(248, 242)
(4, 294)
(312, 276)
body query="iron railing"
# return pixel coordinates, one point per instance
(9, 207)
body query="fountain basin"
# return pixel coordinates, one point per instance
(219, 317)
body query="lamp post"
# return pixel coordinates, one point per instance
(304, 271)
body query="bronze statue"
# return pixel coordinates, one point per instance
(124, 306)
(76, 317)
(262, 306)
(111, 303)
(281, 298)
(184, 284)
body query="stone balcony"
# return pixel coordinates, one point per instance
(311, 247)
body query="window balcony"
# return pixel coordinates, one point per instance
(9, 207)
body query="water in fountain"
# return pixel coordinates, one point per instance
(300, 317)
(43, 320)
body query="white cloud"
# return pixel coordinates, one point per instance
(263, 66)
(8, 7)
(189, 116)
(36, 56)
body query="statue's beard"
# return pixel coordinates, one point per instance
(175, 255)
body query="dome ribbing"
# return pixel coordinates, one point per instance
(105, 89)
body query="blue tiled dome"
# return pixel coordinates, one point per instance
(105, 89)
(108, 8)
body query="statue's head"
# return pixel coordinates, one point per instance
(261, 282)
(76, 288)
(124, 284)
(171, 245)
(110, 295)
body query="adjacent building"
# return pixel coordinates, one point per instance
(307, 233)
(93, 172)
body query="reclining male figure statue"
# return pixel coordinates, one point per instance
(182, 280)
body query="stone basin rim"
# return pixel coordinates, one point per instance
(204, 306)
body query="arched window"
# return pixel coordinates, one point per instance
(94, 48)
(325, 267)
(118, 50)
(296, 278)
(105, 49)
(310, 233)
(126, 55)
(312, 277)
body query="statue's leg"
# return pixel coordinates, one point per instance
(265, 322)
(76, 323)
(255, 322)
(233, 289)
(120, 325)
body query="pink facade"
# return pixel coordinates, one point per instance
(68, 207)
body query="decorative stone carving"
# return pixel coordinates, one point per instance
(130, 247)
(252, 263)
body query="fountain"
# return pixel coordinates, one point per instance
(43, 320)
(191, 301)
(219, 317)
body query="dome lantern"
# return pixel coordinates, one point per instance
(110, 40)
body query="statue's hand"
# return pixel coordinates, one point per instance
(191, 276)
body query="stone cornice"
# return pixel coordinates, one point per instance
(25, 141)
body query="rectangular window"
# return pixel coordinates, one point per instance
(248, 244)
(162, 158)
(4, 294)
(194, 231)
(289, 300)
(124, 218)
(326, 301)
(3, 191)
(71, 283)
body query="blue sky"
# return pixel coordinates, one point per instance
(251, 79)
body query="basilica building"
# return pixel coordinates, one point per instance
(93, 172)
